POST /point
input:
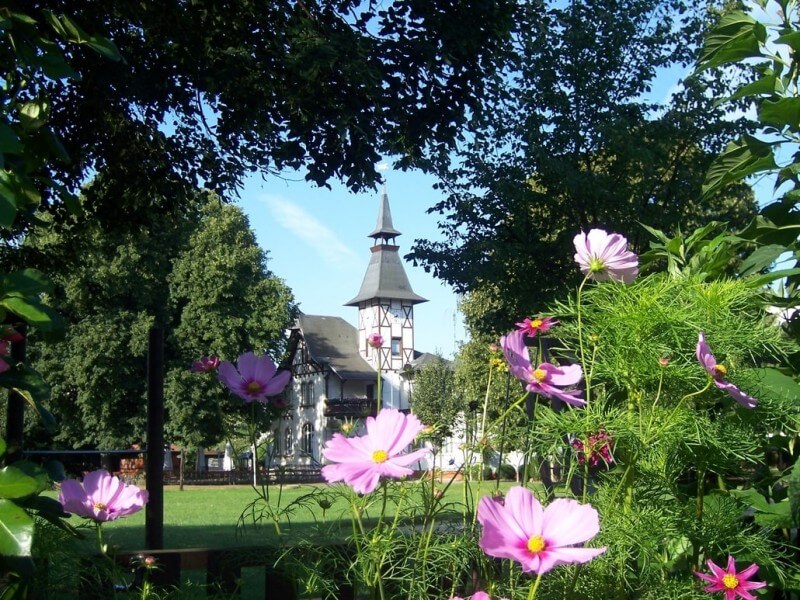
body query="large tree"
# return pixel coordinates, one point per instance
(207, 92)
(570, 144)
(199, 274)
(433, 399)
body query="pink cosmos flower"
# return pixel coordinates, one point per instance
(476, 596)
(375, 340)
(597, 448)
(205, 364)
(102, 497)
(604, 256)
(536, 325)
(547, 379)
(730, 582)
(537, 538)
(718, 372)
(362, 461)
(10, 334)
(257, 377)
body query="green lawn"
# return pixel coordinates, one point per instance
(207, 516)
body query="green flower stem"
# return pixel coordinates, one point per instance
(100, 543)
(380, 384)
(677, 406)
(580, 336)
(585, 493)
(482, 433)
(534, 587)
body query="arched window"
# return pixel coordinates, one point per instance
(287, 440)
(308, 438)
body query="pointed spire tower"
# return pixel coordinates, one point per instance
(386, 301)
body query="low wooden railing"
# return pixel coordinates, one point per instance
(350, 407)
(223, 569)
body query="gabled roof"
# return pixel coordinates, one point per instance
(332, 342)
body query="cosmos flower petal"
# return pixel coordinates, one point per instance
(277, 383)
(500, 526)
(228, 374)
(525, 510)
(252, 369)
(361, 461)
(247, 365)
(264, 368)
(562, 555)
(742, 583)
(563, 375)
(602, 256)
(567, 522)
(410, 458)
(101, 497)
(548, 391)
(744, 399)
(748, 572)
(509, 529)
(391, 433)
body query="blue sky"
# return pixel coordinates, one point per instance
(317, 243)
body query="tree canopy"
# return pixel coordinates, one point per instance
(433, 399)
(207, 92)
(568, 142)
(201, 275)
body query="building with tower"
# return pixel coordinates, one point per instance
(335, 372)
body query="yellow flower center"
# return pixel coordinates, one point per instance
(730, 582)
(720, 371)
(536, 544)
(536, 323)
(100, 506)
(379, 456)
(596, 265)
(540, 375)
(253, 387)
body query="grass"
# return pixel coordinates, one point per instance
(208, 516)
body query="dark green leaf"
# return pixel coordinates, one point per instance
(8, 201)
(104, 47)
(784, 112)
(780, 384)
(741, 158)
(27, 282)
(737, 36)
(772, 276)
(32, 312)
(794, 493)
(763, 85)
(9, 142)
(16, 530)
(16, 483)
(791, 39)
(761, 259)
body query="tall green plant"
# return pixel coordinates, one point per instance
(764, 40)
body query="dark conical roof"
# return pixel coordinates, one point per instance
(384, 228)
(385, 277)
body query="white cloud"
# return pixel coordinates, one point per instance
(312, 232)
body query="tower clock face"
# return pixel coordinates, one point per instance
(397, 313)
